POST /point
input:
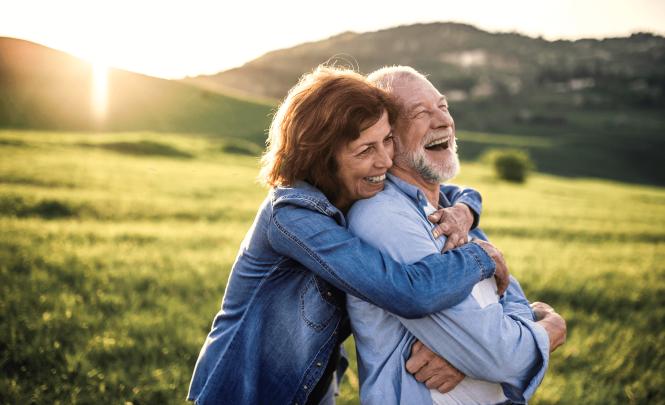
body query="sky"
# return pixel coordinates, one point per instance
(173, 39)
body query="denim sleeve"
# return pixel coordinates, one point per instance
(488, 344)
(468, 196)
(437, 282)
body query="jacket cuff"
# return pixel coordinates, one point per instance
(483, 260)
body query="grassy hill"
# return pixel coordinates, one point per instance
(41, 88)
(598, 104)
(115, 250)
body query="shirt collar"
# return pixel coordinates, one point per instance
(416, 194)
(411, 191)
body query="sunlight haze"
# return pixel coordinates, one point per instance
(173, 39)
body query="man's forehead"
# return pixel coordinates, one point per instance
(416, 91)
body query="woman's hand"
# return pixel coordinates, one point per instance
(501, 273)
(434, 371)
(454, 222)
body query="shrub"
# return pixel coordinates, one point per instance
(241, 147)
(142, 148)
(510, 164)
(17, 206)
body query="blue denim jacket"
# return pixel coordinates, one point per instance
(283, 311)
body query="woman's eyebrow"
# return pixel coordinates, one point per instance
(373, 142)
(362, 145)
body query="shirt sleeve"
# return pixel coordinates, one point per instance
(467, 196)
(514, 301)
(324, 247)
(484, 343)
(488, 344)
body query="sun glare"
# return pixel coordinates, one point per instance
(100, 79)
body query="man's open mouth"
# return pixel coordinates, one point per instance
(438, 144)
(376, 179)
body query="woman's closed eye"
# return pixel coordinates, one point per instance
(365, 151)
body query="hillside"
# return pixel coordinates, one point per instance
(41, 88)
(471, 64)
(597, 103)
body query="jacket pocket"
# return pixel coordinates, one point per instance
(315, 309)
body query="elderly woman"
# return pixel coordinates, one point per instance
(277, 336)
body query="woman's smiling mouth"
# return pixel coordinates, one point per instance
(376, 179)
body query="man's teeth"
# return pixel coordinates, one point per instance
(438, 142)
(376, 179)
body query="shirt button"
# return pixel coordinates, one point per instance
(329, 294)
(304, 387)
(319, 364)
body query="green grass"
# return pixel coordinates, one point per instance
(114, 259)
(619, 145)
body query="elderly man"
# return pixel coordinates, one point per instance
(499, 344)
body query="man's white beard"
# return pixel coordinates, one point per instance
(431, 172)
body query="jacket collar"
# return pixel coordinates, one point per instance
(303, 194)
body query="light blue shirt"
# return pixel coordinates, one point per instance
(492, 342)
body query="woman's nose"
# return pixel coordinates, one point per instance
(384, 159)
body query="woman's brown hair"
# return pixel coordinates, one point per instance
(326, 109)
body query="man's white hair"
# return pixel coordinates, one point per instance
(386, 79)
(387, 76)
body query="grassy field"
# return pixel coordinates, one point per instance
(115, 250)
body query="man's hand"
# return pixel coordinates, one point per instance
(427, 367)
(553, 323)
(501, 272)
(454, 222)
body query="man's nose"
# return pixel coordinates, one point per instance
(442, 119)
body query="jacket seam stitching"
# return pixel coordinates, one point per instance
(482, 269)
(317, 326)
(309, 368)
(316, 203)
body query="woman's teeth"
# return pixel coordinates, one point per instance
(376, 179)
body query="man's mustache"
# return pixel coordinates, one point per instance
(441, 133)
